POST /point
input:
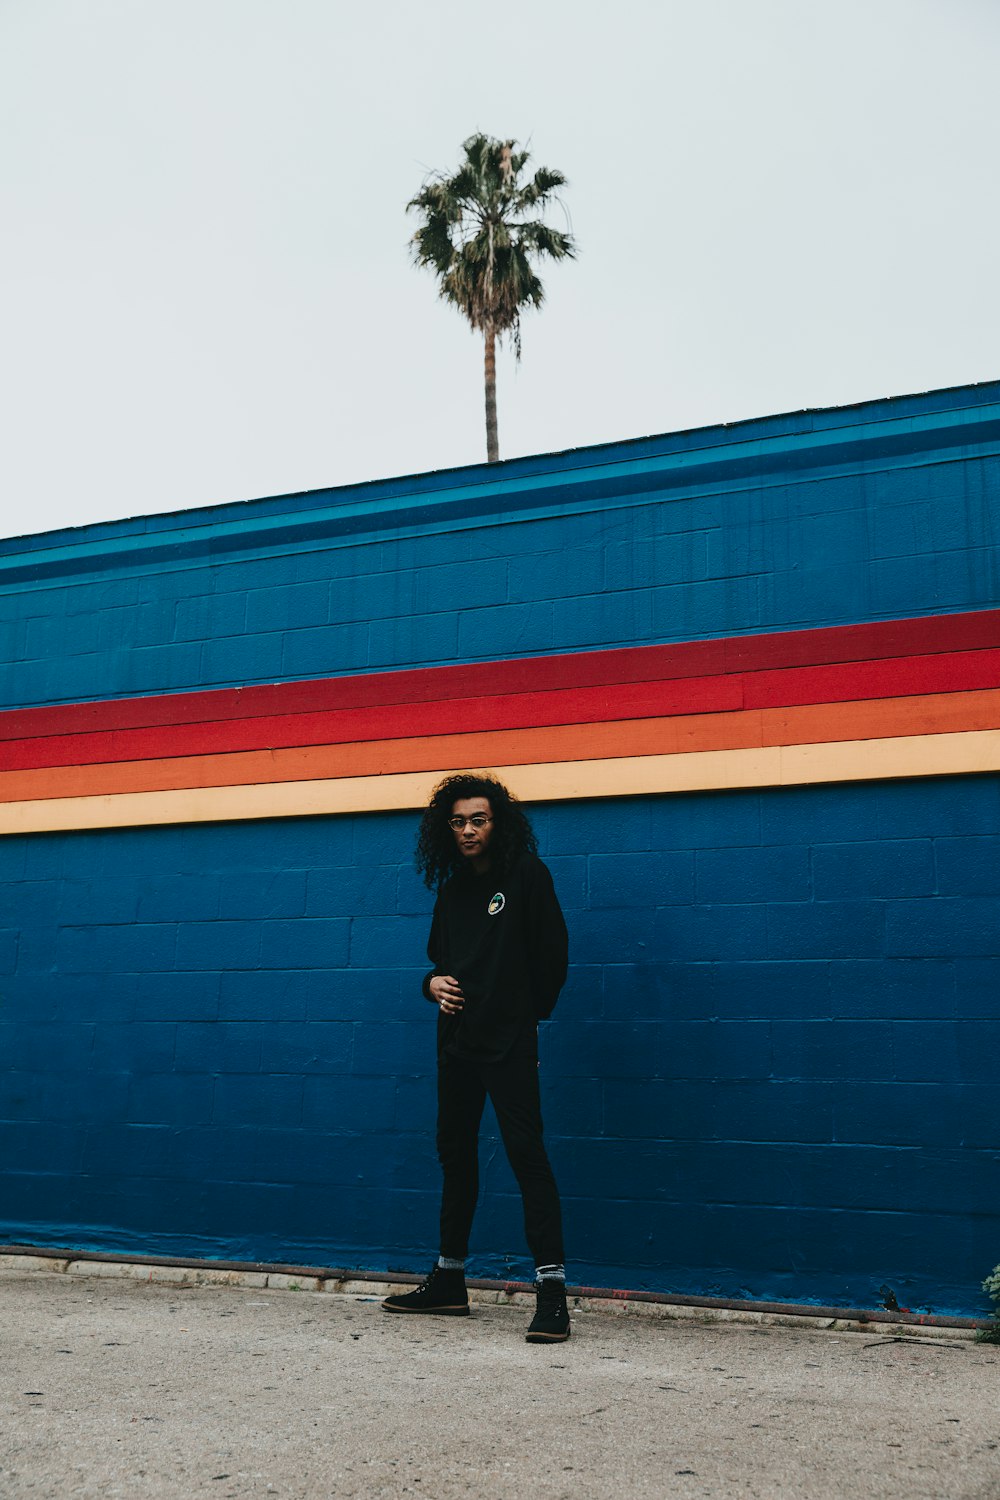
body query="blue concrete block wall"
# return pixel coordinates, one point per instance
(774, 1059)
(774, 1056)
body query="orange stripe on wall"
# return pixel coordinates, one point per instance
(936, 713)
(785, 765)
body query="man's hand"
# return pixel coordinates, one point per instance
(447, 994)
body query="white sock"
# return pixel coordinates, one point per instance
(447, 1264)
(550, 1273)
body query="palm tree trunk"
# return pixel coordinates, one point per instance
(492, 445)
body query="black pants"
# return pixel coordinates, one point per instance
(512, 1085)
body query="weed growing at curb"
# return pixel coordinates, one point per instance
(989, 1333)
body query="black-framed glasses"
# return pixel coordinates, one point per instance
(478, 820)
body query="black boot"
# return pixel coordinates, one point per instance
(550, 1325)
(443, 1292)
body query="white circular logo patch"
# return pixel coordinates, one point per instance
(497, 904)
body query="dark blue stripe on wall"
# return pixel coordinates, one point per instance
(774, 1061)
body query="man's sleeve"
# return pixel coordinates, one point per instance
(433, 951)
(548, 940)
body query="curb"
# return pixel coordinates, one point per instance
(510, 1294)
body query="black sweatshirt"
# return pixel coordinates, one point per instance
(504, 939)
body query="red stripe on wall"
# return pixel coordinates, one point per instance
(952, 672)
(815, 723)
(928, 634)
(388, 722)
(900, 677)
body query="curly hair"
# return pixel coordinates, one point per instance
(437, 854)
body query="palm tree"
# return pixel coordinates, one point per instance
(480, 234)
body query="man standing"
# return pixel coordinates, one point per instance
(499, 949)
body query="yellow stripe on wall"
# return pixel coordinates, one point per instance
(645, 775)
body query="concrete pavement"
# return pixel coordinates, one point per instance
(117, 1387)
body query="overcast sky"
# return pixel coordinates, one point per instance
(205, 286)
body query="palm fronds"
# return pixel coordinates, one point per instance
(480, 233)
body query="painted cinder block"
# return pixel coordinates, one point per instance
(427, 638)
(273, 995)
(356, 1105)
(269, 1099)
(968, 926)
(753, 875)
(832, 1049)
(8, 951)
(286, 608)
(713, 1049)
(327, 1158)
(761, 989)
(151, 624)
(138, 1047)
(166, 1098)
(901, 868)
(325, 650)
(311, 943)
(422, 590)
(702, 820)
(582, 995)
(415, 1103)
(396, 1048)
(761, 979)
(244, 574)
(165, 898)
(605, 620)
(571, 1107)
(825, 929)
(699, 933)
(894, 988)
(385, 942)
(949, 806)
(957, 1051)
(976, 983)
(606, 1049)
(928, 1113)
(628, 935)
(147, 669)
(378, 838)
(819, 815)
(662, 877)
(22, 1094)
(556, 574)
(363, 994)
(968, 866)
(88, 1094)
(218, 945)
(264, 895)
(773, 1109)
(653, 1109)
(238, 659)
(299, 1047)
(28, 1197)
(409, 1165)
(352, 891)
(205, 617)
(39, 1149)
(214, 1047)
(587, 826)
(101, 998)
(651, 991)
(515, 629)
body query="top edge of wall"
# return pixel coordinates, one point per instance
(910, 422)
